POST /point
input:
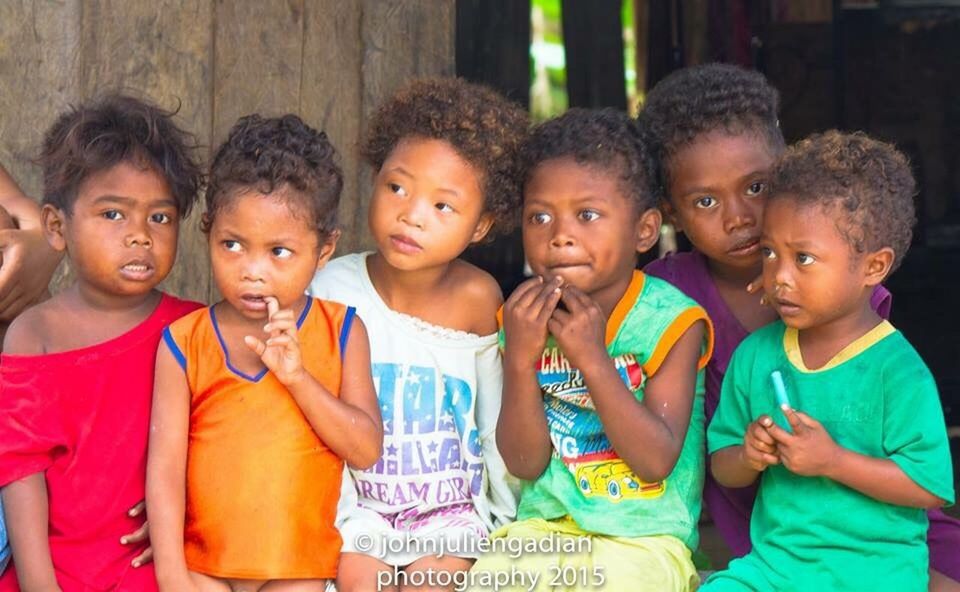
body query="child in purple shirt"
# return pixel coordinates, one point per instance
(718, 136)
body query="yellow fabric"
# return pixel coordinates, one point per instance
(641, 564)
(791, 345)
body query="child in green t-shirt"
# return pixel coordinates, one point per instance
(602, 411)
(858, 450)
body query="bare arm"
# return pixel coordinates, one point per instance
(21, 208)
(166, 470)
(28, 522)
(810, 451)
(522, 434)
(663, 415)
(350, 425)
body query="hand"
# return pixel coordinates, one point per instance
(581, 330)
(281, 352)
(809, 450)
(759, 447)
(138, 536)
(525, 316)
(28, 265)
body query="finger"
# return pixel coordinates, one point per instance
(792, 418)
(273, 305)
(760, 432)
(575, 300)
(562, 317)
(12, 297)
(138, 536)
(283, 315)
(280, 325)
(770, 459)
(282, 340)
(547, 300)
(137, 509)
(755, 286)
(780, 435)
(143, 558)
(553, 325)
(523, 289)
(255, 344)
(806, 420)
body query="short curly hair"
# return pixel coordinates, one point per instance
(484, 127)
(270, 154)
(867, 181)
(604, 138)
(712, 97)
(115, 128)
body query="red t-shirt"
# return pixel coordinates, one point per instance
(83, 416)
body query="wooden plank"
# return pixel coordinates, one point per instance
(403, 39)
(39, 79)
(257, 63)
(160, 50)
(330, 99)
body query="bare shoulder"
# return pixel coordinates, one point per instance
(28, 333)
(478, 295)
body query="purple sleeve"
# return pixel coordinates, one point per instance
(662, 269)
(881, 301)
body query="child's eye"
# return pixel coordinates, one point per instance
(768, 253)
(281, 252)
(589, 215)
(705, 202)
(803, 259)
(540, 218)
(397, 189)
(232, 246)
(113, 215)
(756, 188)
(161, 218)
(444, 207)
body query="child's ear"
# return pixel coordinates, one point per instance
(327, 248)
(648, 229)
(670, 214)
(52, 220)
(877, 266)
(483, 227)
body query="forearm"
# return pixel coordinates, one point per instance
(166, 503)
(522, 434)
(728, 467)
(349, 432)
(879, 478)
(24, 210)
(26, 509)
(651, 457)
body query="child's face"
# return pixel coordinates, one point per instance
(579, 224)
(811, 274)
(427, 205)
(122, 233)
(264, 245)
(717, 195)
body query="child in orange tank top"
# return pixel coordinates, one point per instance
(253, 422)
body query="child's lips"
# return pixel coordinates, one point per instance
(254, 302)
(137, 270)
(786, 307)
(405, 244)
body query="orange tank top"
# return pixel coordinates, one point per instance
(262, 488)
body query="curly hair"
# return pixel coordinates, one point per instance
(272, 154)
(869, 182)
(701, 99)
(115, 128)
(484, 127)
(604, 138)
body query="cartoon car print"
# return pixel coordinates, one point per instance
(614, 480)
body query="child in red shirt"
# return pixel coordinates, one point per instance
(76, 375)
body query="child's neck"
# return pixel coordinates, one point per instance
(819, 344)
(409, 292)
(95, 317)
(732, 287)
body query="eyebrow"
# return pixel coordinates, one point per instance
(399, 169)
(698, 189)
(129, 201)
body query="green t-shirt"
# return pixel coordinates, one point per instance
(586, 479)
(877, 398)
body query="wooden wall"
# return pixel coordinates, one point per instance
(330, 61)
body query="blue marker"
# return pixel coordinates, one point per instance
(779, 389)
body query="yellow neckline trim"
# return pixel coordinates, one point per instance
(791, 346)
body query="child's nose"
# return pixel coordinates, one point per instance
(738, 214)
(139, 235)
(414, 214)
(563, 235)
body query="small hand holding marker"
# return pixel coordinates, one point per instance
(809, 450)
(281, 351)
